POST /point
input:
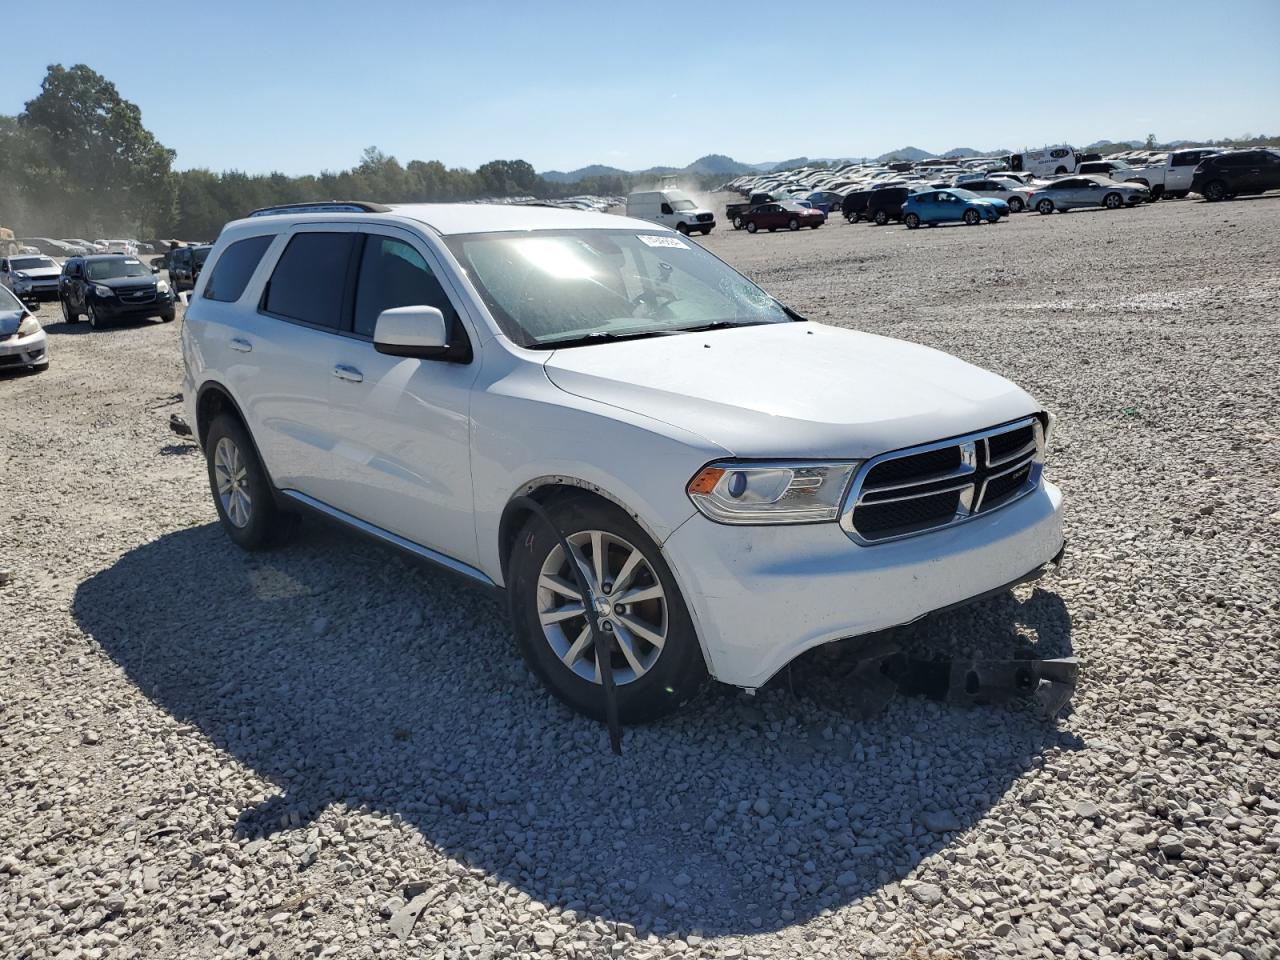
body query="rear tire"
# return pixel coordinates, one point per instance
(668, 682)
(1215, 190)
(881, 218)
(1016, 205)
(241, 490)
(737, 223)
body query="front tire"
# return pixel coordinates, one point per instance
(683, 228)
(167, 316)
(912, 221)
(95, 322)
(751, 226)
(656, 658)
(1113, 201)
(793, 224)
(67, 315)
(1045, 206)
(241, 491)
(972, 217)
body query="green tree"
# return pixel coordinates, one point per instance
(1151, 141)
(116, 173)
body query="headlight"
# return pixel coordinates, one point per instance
(101, 291)
(756, 493)
(162, 286)
(19, 275)
(29, 326)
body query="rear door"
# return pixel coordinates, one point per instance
(403, 454)
(281, 355)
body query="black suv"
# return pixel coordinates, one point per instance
(854, 207)
(885, 205)
(185, 265)
(111, 287)
(1241, 171)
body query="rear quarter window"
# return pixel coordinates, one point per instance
(233, 269)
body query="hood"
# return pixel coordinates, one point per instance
(793, 389)
(128, 283)
(42, 272)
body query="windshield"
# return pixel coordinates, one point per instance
(682, 205)
(552, 286)
(31, 263)
(8, 302)
(200, 254)
(115, 269)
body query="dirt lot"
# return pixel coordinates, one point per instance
(209, 754)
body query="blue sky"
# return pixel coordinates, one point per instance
(300, 87)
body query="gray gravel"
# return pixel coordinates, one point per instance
(327, 751)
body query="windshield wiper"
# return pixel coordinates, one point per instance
(599, 337)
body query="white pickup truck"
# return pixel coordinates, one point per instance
(1170, 176)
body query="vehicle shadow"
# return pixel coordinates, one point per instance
(346, 675)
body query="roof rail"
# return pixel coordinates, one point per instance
(323, 206)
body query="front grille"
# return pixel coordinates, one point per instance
(137, 296)
(706, 217)
(924, 488)
(11, 360)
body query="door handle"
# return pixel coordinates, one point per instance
(350, 374)
(241, 345)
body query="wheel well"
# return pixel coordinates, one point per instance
(548, 491)
(212, 401)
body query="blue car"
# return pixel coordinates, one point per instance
(951, 205)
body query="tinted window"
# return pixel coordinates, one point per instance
(309, 280)
(393, 274)
(234, 268)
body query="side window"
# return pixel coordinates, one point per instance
(393, 274)
(308, 282)
(234, 268)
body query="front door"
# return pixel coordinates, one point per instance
(403, 456)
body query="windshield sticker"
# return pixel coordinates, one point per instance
(649, 240)
(138, 262)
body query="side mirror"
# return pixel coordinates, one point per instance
(411, 332)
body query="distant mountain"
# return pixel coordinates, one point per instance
(906, 153)
(573, 176)
(720, 165)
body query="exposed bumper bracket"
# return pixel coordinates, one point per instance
(179, 425)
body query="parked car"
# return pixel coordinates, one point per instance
(23, 343)
(885, 204)
(1014, 197)
(31, 277)
(667, 414)
(825, 200)
(47, 246)
(854, 207)
(671, 208)
(126, 247)
(78, 248)
(1240, 171)
(787, 213)
(106, 287)
(953, 205)
(1072, 192)
(1171, 175)
(184, 266)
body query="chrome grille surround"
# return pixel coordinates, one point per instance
(970, 479)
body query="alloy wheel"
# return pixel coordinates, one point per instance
(232, 476)
(628, 597)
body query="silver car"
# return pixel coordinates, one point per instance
(23, 342)
(1071, 192)
(31, 276)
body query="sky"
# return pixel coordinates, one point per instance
(301, 86)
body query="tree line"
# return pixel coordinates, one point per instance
(78, 162)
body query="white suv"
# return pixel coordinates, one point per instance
(737, 484)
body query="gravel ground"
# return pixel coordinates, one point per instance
(296, 754)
